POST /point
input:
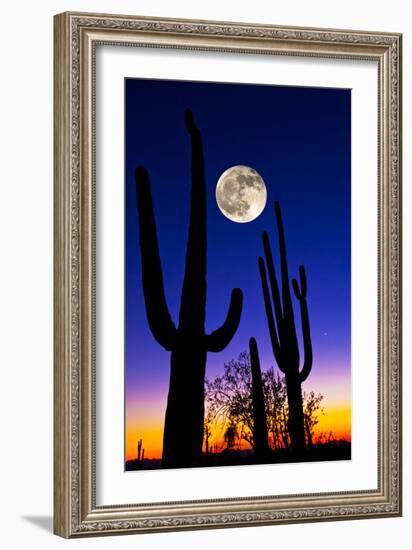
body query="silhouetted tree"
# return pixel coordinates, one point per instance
(230, 437)
(188, 343)
(276, 409)
(282, 329)
(312, 408)
(208, 432)
(229, 403)
(229, 397)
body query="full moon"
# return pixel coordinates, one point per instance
(241, 194)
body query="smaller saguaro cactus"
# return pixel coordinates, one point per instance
(260, 433)
(140, 453)
(139, 449)
(282, 329)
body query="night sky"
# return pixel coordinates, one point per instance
(298, 139)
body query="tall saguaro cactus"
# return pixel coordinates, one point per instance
(260, 432)
(188, 343)
(282, 329)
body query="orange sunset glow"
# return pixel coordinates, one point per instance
(335, 420)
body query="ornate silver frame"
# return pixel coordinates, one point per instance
(76, 36)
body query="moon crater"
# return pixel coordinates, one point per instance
(241, 194)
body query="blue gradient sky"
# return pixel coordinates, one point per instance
(298, 139)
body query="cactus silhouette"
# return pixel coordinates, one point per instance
(188, 343)
(260, 433)
(282, 329)
(140, 454)
(139, 450)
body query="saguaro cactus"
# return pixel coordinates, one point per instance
(188, 343)
(260, 432)
(140, 453)
(282, 329)
(139, 449)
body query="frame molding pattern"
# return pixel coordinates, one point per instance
(75, 511)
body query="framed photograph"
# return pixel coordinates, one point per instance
(227, 274)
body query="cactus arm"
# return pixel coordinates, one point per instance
(273, 280)
(158, 316)
(193, 296)
(300, 294)
(220, 338)
(198, 164)
(269, 314)
(287, 302)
